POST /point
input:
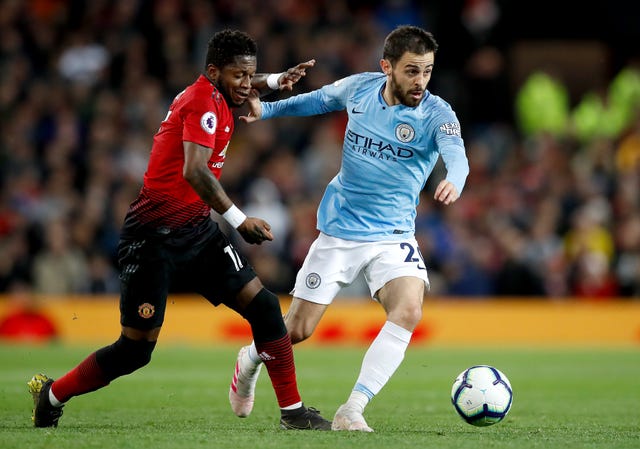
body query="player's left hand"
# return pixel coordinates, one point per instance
(293, 75)
(255, 230)
(446, 192)
(255, 108)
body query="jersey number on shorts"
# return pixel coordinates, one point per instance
(411, 251)
(235, 258)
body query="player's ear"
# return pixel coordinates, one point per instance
(212, 72)
(385, 65)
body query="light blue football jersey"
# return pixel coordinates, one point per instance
(387, 156)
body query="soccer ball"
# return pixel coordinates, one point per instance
(482, 395)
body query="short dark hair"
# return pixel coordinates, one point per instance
(408, 38)
(226, 45)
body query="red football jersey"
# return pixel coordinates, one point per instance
(198, 114)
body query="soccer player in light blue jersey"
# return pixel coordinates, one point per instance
(395, 134)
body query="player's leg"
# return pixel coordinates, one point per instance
(400, 268)
(273, 345)
(124, 356)
(271, 340)
(141, 322)
(301, 320)
(221, 272)
(402, 299)
(319, 282)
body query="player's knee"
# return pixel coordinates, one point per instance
(124, 356)
(299, 332)
(414, 315)
(407, 316)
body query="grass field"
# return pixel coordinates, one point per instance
(563, 398)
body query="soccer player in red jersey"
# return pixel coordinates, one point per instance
(168, 236)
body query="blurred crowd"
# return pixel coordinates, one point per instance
(84, 86)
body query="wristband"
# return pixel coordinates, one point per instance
(234, 216)
(272, 81)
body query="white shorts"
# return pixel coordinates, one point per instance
(333, 263)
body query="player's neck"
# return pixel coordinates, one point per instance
(388, 97)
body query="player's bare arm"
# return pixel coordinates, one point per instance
(196, 172)
(446, 192)
(268, 82)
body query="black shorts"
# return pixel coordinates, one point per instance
(153, 261)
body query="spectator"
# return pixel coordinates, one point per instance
(60, 269)
(83, 85)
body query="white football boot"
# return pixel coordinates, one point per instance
(243, 384)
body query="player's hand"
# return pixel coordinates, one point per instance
(446, 192)
(293, 75)
(255, 108)
(255, 230)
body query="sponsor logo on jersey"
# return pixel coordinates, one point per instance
(313, 280)
(146, 310)
(405, 132)
(379, 149)
(208, 121)
(451, 129)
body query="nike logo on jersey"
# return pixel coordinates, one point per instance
(353, 111)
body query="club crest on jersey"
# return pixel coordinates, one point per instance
(208, 121)
(313, 280)
(146, 310)
(405, 133)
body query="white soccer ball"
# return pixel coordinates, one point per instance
(482, 395)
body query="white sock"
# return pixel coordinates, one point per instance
(292, 406)
(358, 400)
(253, 354)
(380, 362)
(54, 400)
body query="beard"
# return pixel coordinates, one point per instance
(405, 98)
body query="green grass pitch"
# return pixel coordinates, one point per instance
(563, 398)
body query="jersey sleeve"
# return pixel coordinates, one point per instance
(450, 145)
(200, 120)
(329, 98)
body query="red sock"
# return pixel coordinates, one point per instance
(278, 358)
(85, 377)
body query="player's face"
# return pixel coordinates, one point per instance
(234, 80)
(409, 78)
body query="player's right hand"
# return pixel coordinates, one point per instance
(293, 75)
(255, 230)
